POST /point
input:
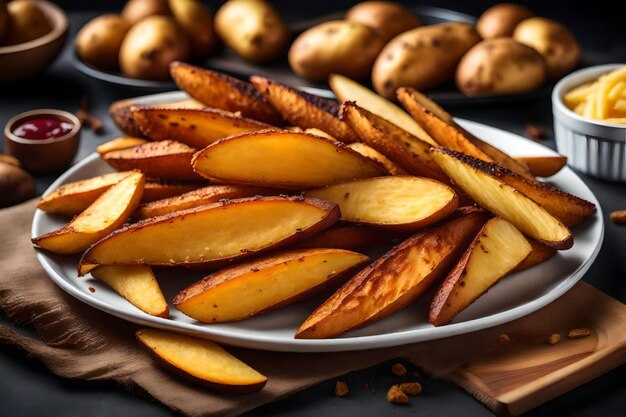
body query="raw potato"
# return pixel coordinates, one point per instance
(339, 47)
(137, 284)
(120, 143)
(107, 213)
(136, 10)
(165, 159)
(497, 249)
(201, 362)
(159, 189)
(221, 91)
(98, 43)
(282, 159)
(553, 41)
(304, 110)
(73, 198)
(266, 284)
(253, 29)
(197, 22)
(26, 22)
(500, 20)
(387, 18)
(214, 234)
(422, 58)
(481, 181)
(400, 202)
(16, 185)
(194, 127)
(543, 166)
(498, 67)
(395, 279)
(391, 167)
(347, 236)
(150, 46)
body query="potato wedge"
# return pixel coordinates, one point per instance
(543, 166)
(395, 279)
(200, 197)
(348, 237)
(305, 110)
(406, 150)
(214, 234)
(166, 159)
(201, 362)
(538, 254)
(123, 142)
(159, 189)
(137, 284)
(73, 198)
(481, 180)
(349, 90)
(391, 167)
(106, 214)
(193, 127)
(400, 202)
(221, 91)
(497, 249)
(266, 284)
(284, 159)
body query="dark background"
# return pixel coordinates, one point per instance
(27, 388)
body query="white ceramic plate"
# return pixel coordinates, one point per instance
(512, 298)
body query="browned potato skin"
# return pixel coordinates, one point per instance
(26, 22)
(150, 46)
(160, 189)
(348, 236)
(197, 22)
(387, 18)
(553, 41)
(136, 10)
(422, 58)
(253, 29)
(335, 47)
(500, 20)
(4, 20)
(16, 185)
(98, 42)
(498, 67)
(538, 254)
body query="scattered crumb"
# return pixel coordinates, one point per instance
(398, 369)
(396, 396)
(618, 217)
(411, 388)
(536, 132)
(503, 338)
(578, 333)
(341, 389)
(365, 386)
(554, 338)
(92, 289)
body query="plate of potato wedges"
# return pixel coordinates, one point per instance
(256, 214)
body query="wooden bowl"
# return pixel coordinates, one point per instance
(29, 58)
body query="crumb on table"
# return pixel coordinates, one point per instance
(396, 396)
(341, 389)
(503, 338)
(398, 369)
(411, 388)
(578, 333)
(618, 217)
(554, 338)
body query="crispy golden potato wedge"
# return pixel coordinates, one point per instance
(282, 159)
(391, 167)
(414, 97)
(348, 237)
(499, 157)
(539, 254)
(348, 90)
(497, 249)
(483, 182)
(221, 91)
(106, 214)
(200, 197)
(194, 127)
(123, 142)
(165, 159)
(400, 202)
(137, 284)
(201, 362)
(305, 110)
(266, 284)
(73, 198)
(406, 150)
(395, 279)
(214, 234)
(543, 166)
(159, 189)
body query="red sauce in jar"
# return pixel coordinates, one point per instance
(45, 127)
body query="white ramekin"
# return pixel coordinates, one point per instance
(591, 146)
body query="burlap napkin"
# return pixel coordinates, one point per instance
(78, 341)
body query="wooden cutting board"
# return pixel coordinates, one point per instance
(514, 377)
